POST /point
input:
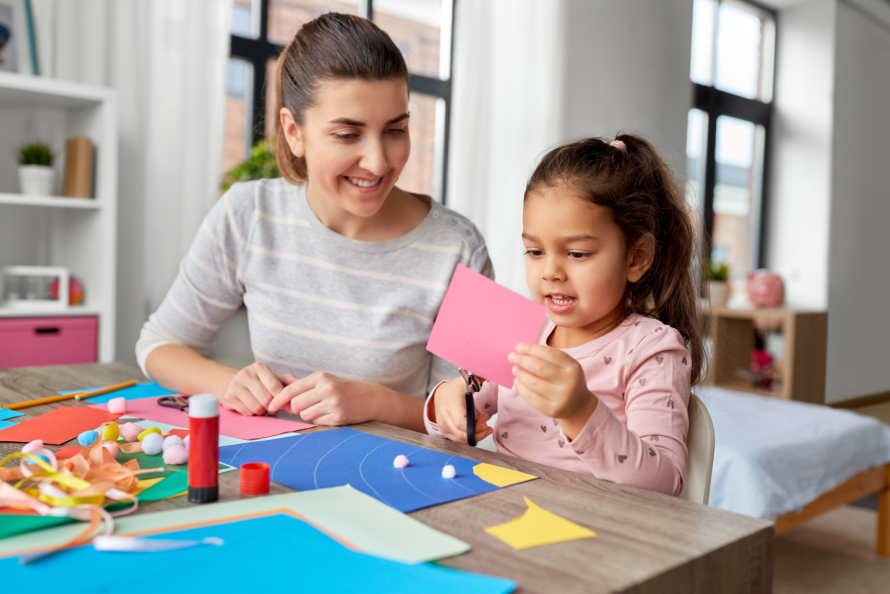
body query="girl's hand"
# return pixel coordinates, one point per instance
(326, 399)
(553, 383)
(252, 389)
(450, 410)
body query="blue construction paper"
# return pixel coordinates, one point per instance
(5, 413)
(274, 553)
(5, 424)
(345, 456)
(144, 390)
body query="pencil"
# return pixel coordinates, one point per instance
(76, 396)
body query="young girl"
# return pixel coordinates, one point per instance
(610, 251)
(342, 273)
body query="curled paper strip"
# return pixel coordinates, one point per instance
(77, 487)
(127, 544)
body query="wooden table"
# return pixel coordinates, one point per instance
(646, 542)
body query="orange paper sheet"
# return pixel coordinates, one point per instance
(57, 426)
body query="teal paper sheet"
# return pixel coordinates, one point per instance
(137, 392)
(274, 553)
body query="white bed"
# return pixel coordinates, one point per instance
(776, 456)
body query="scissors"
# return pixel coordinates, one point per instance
(179, 402)
(473, 385)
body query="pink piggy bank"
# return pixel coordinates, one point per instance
(765, 289)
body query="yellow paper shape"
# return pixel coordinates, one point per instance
(537, 527)
(146, 483)
(501, 477)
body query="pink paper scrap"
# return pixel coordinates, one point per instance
(231, 423)
(481, 322)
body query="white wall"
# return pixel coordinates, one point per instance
(859, 254)
(627, 70)
(531, 74)
(802, 150)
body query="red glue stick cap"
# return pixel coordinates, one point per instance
(254, 478)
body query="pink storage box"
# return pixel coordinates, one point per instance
(26, 342)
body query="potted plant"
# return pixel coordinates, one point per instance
(261, 165)
(718, 283)
(36, 175)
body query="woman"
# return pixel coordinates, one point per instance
(342, 273)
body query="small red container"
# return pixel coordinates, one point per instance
(255, 478)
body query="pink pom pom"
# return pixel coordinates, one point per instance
(176, 455)
(130, 431)
(35, 445)
(112, 448)
(400, 461)
(117, 406)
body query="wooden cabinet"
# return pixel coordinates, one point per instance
(805, 333)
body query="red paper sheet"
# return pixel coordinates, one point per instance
(57, 426)
(231, 423)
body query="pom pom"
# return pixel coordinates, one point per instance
(448, 471)
(130, 431)
(400, 461)
(112, 448)
(151, 444)
(172, 440)
(149, 432)
(37, 444)
(185, 442)
(88, 437)
(175, 454)
(117, 406)
(112, 431)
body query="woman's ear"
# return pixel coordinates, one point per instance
(639, 257)
(292, 132)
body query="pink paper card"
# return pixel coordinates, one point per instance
(231, 423)
(481, 322)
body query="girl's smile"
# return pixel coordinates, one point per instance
(560, 303)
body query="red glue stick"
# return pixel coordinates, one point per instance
(203, 448)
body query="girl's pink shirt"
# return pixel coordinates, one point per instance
(640, 372)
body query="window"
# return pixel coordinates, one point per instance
(732, 78)
(422, 30)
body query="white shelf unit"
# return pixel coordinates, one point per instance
(79, 234)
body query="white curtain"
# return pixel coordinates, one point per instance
(167, 60)
(507, 111)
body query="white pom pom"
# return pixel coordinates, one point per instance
(449, 472)
(152, 443)
(171, 440)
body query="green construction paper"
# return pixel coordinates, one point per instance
(175, 483)
(375, 527)
(419, 544)
(14, 524)
(146, 461)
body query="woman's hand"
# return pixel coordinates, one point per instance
(251, 390)
(326, 399)
(553, 383)
(450, 410)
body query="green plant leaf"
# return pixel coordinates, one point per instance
(36, 154)
(261, 165)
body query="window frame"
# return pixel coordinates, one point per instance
(260, 51)
(715, 103)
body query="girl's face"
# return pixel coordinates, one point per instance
(355, 141)
(577, 261)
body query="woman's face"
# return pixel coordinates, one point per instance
(355, 141)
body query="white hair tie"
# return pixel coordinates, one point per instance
(619, 145)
